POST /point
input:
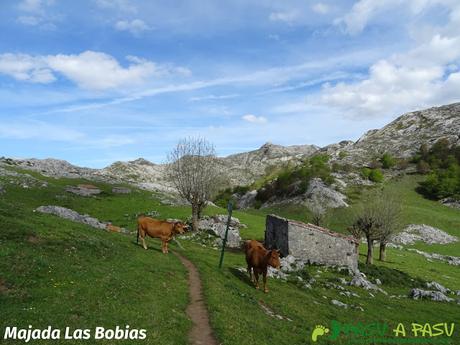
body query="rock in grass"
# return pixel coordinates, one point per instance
(438, 287)
(83, 190)
(217, 225)
(425, 233)
(339, 304)
(121, 190)
(428, 294)
(72, 215)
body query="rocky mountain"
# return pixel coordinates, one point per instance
(402, 138)
(243, 168)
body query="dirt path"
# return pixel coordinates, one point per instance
(201, 332)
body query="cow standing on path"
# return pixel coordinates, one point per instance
(160, 229)
(258, 259)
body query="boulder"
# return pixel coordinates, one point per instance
(425, 233)
(438, 287)
(217, 225)
(83, 190)
(72, 215)
(121, 190)
(428, 294)
(319, 192)
(339, 304)
(247, 200)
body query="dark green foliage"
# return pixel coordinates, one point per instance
(442, 162)
(388, 161)
(294, 181)
(374, 175)
(225, 195)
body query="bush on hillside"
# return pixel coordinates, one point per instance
(292, 181)
(388, 161)
(442, 164)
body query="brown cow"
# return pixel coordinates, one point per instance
(258, 258)
(160, 229)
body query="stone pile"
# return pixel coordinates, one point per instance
(217, 225)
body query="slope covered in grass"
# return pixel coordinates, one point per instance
(55, 272)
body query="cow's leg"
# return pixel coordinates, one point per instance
(265, 280)
(166, 247)
(250, 272)
(142, 233)
(256, 278)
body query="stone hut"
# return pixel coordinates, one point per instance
(311, 243)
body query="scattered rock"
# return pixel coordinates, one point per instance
(267, 310)
(121, 190)
(83, 190)
(451, 260)
(451, 202)
(339, 304)
(428, 294)
(438, 287)
(277, 274)
(360, 280)
(378, 281)
(217, 225)
(424, 233)
(72, 215)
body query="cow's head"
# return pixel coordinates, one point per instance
(274, 258)
(179, 227)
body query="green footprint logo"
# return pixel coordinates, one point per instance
(318, 331)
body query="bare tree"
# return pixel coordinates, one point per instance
(318, 211)
(377, 219)
(389, 220)
(193, 171)
(367, 223)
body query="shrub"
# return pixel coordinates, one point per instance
(423, 167)
(366, 172)
(376, 175)
(387, 161)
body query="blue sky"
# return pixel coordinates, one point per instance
(96, 81)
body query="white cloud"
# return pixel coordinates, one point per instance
(254, 118)
(124, 6)
(29, 20)
(135, 26)
(31, 5)
(89, 70)
(99, 71)
(422, 77)
(285, 16)
(26, 68)
(321, 8)
(212, 97)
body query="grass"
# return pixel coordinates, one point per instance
(59, 273)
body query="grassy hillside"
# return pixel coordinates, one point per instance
(55, 272)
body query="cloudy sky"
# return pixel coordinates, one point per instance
(95, 81)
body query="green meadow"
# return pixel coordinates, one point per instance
(56, 272)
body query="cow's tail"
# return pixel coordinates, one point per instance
(137, 240)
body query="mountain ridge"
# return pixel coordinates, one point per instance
(402, 138)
